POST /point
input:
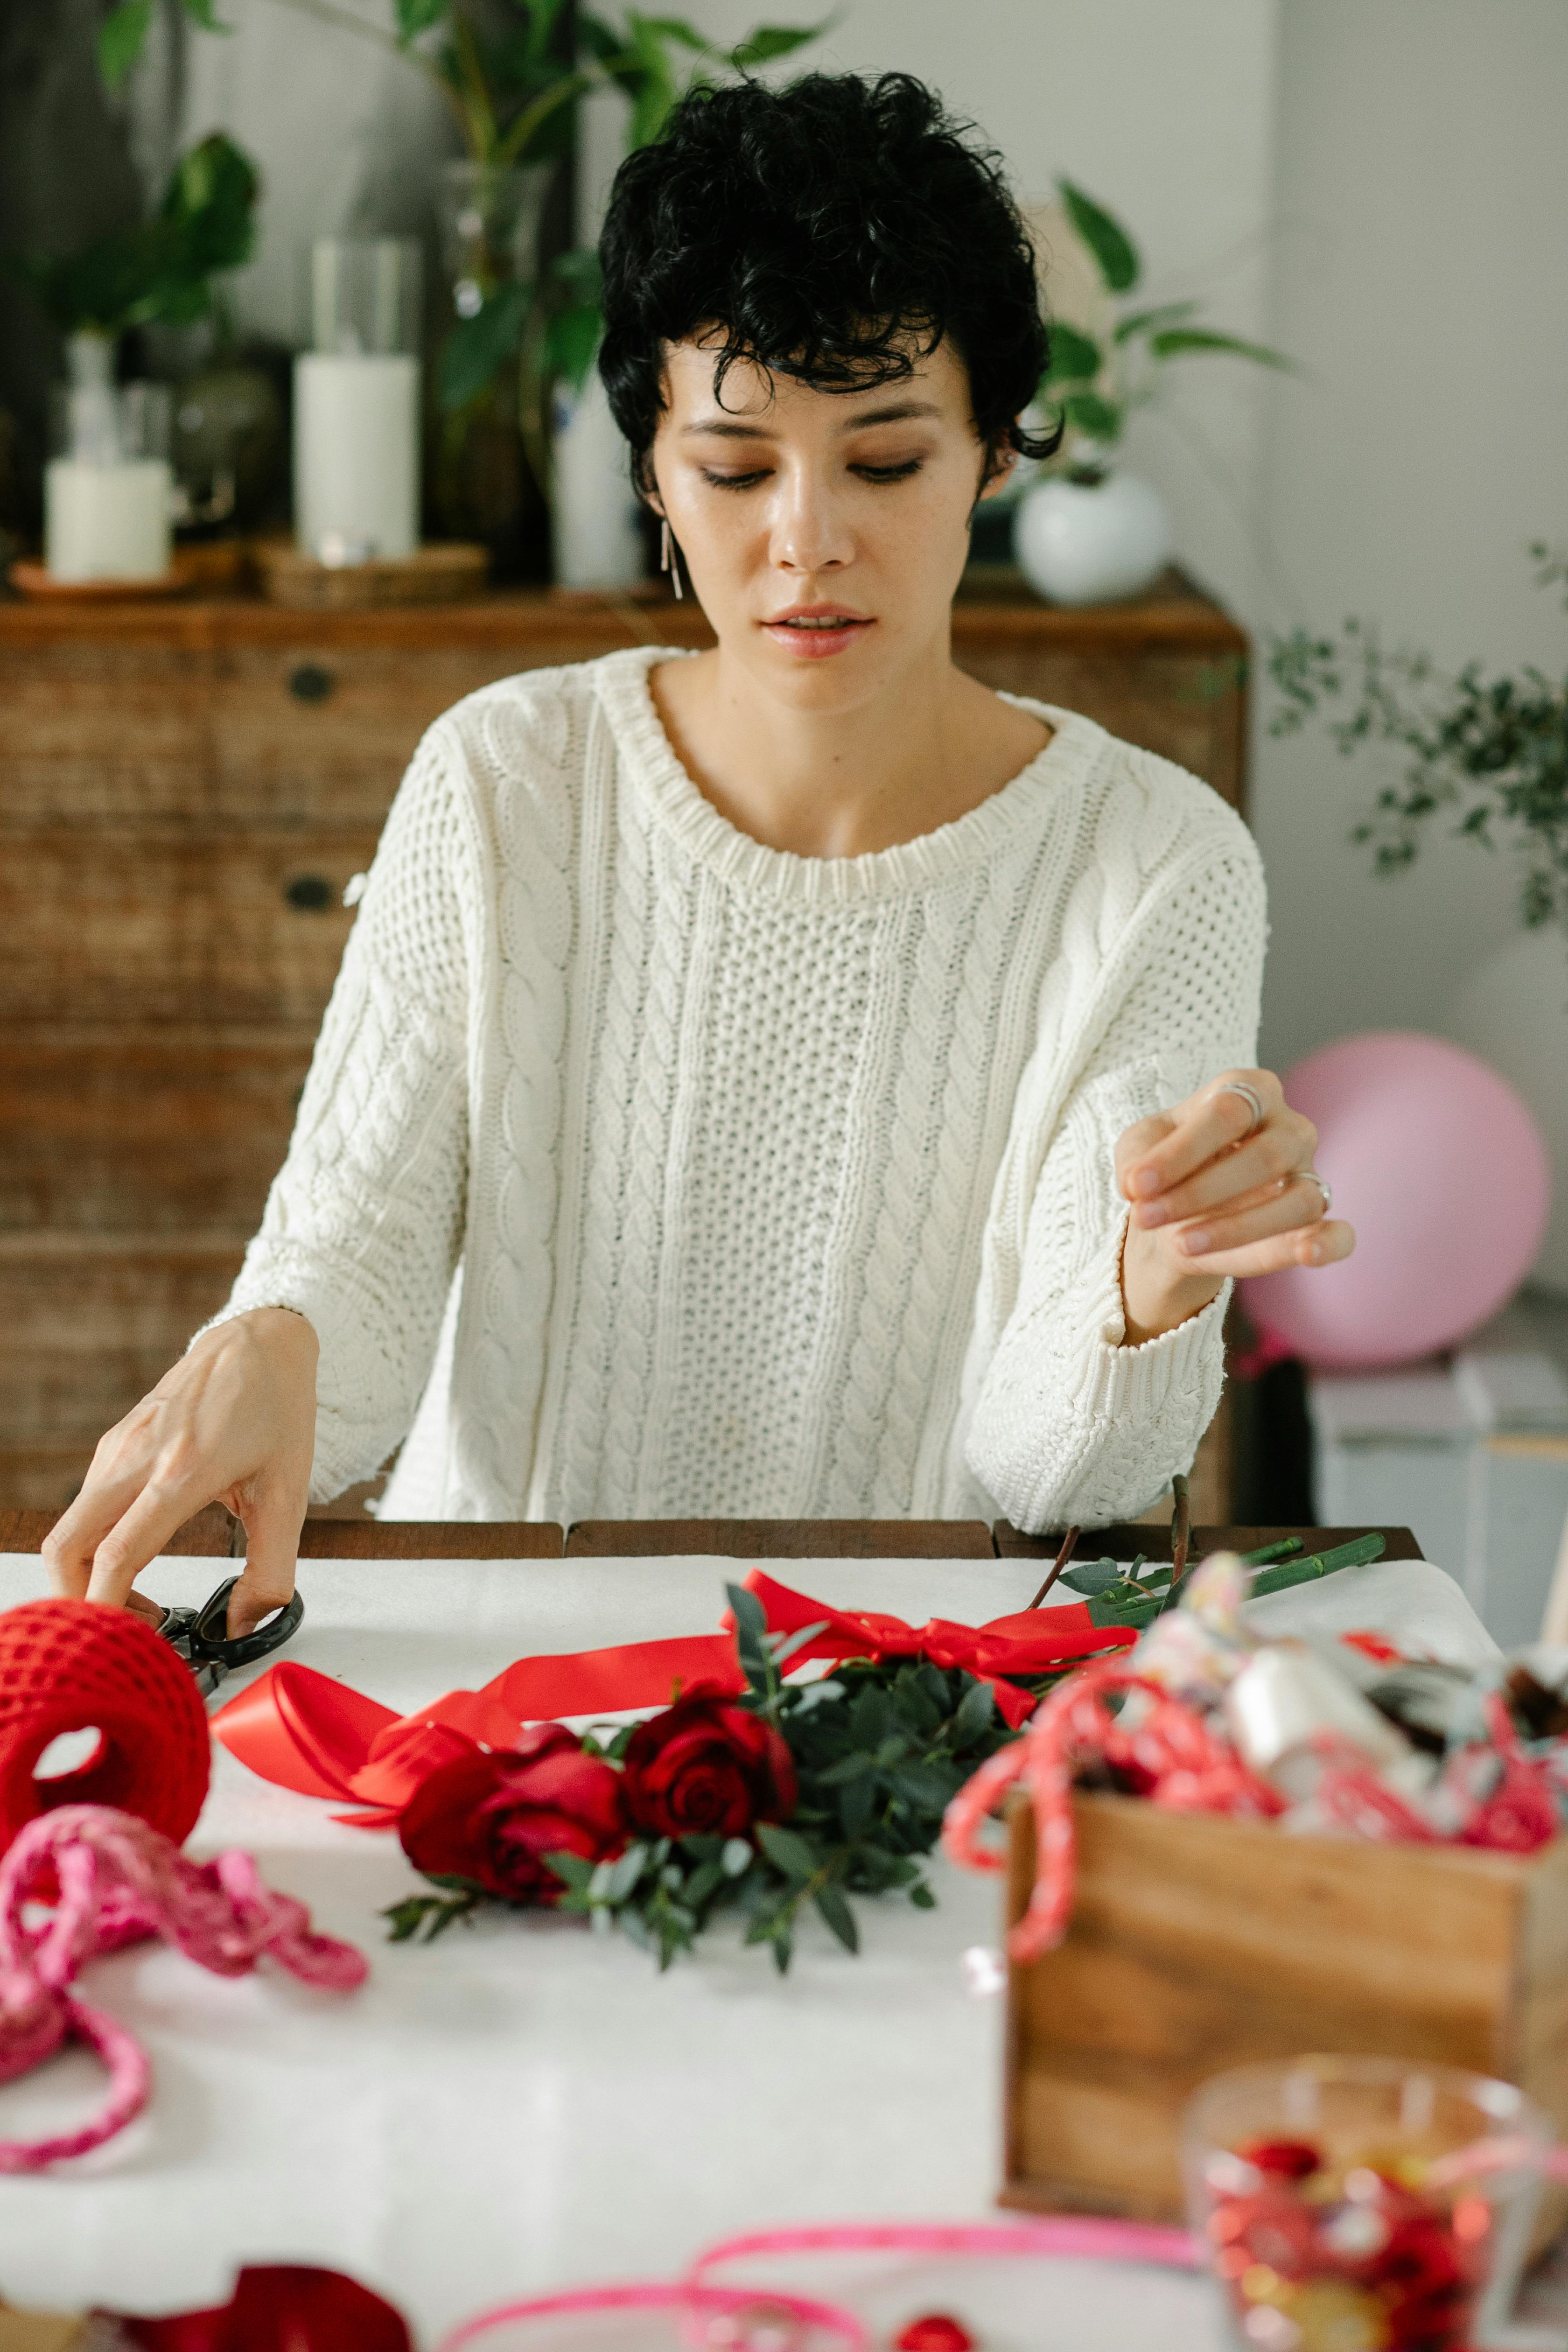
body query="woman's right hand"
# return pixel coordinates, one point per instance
(234, 1422)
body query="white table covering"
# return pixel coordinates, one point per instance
(521, 2107)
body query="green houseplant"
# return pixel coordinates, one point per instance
(1091, 531)
(510, 75)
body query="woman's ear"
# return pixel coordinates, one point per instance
(1000, 461)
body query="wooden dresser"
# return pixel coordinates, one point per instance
(185, 789)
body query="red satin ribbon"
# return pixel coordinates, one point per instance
(307, 1732)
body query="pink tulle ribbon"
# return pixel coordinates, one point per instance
(120, 1880)
(697, 2296)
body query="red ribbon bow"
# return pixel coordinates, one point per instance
(303, 1730)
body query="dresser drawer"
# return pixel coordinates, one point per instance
(88, 1325)
(153, 1132)
(236, 928)
(245, 736)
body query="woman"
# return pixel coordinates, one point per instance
(791, 1079)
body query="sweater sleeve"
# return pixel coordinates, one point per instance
(1070, 1427)
(363, 1225)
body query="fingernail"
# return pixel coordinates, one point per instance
(1195, 1241)
(1146, 1180)
(1151, 1212)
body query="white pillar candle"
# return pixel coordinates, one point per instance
(107, 522)
(356, 453)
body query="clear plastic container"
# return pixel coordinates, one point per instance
(1310, 2186)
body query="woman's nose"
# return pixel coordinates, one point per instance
(811, 531)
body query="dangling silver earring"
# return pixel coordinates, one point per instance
(669, 558)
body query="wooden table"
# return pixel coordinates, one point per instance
(186, 789)
(214, 1534)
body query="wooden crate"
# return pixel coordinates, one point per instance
(1198, 1944)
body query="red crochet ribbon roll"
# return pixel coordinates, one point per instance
(75, 1665)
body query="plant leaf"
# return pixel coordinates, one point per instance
(1138, 322)
(973, 1719)
(838, 1916)
(1101, 419)
(1171, 342)
(121, 37)
(416, 17)
(764, 42)
(626, 1873)
(736, 1857)
(1093, 1576)
(1106, 238)
(786, 1851)
(573, 1870)
(1075, 357)
(478, 347)
(571, 342)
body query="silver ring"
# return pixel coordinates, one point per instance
(1248, 1094)
(1310, 1176)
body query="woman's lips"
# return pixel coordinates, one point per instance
(812, 636)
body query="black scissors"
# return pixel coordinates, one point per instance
(202, 1638)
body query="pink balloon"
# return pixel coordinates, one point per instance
(1441, 1168)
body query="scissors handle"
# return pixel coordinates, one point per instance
(202, 1637)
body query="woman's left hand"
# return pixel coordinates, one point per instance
(1221, 1185)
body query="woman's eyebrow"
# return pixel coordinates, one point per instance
(898, 412)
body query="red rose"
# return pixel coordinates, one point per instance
(706, 1767)
(494, 1817)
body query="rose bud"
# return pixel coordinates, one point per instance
(493, 1818)
(706, 1768)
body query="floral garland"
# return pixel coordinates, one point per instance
(790, 1795)
(786, 1795)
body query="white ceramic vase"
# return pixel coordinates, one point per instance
(1513, 1012)
(1088, 542)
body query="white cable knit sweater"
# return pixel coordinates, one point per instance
(682, 1176)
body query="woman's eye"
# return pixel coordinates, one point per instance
(888, 473)
(734, 482)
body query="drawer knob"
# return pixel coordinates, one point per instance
(309, 683)
(311, 893)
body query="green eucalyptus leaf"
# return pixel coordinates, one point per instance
(857, 1804)
(1171, 343)
(736, 1857)
(1074, 356)
(1093, 1576)
(1106, 238)
(839, 1917)
(786, 1851)
(626, 1873)
(973, 1720)
(750, 1618)
(571, 1869)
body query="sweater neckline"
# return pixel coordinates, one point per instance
(963, 843)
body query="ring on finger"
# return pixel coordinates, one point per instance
(1248, 1095)
(1310, 1176)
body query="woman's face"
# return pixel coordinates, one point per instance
(823, 532)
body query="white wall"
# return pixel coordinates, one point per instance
(1377, 185)
(1423, 193)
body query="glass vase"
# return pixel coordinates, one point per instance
(490, 455)
(108, 490)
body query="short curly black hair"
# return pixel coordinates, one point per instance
(828, 230)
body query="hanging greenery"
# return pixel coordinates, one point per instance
(1491, 751)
